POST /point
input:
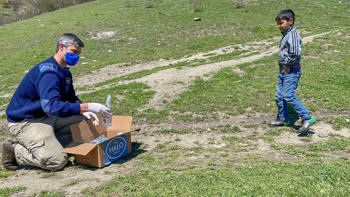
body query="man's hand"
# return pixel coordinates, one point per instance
(91, 115)
(98, 108)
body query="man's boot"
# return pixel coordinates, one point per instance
(8, 155)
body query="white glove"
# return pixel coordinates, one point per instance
(98, 108)
(89, 115)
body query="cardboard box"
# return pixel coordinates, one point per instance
(97, 146)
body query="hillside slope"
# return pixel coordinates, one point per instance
(14, 10)
(202, 93)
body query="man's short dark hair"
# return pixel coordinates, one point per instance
(287, 15)
(68, 39)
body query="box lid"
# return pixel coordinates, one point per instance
(120, 124)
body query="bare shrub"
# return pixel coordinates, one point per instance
(238, 3)
(196, 5)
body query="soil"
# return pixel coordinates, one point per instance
(73, 179)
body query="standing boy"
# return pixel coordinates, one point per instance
(289, 73)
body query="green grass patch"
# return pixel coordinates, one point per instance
(126, 99)
(136, 75)
(153, 116)
(168, 146)
(27, 42)
(46, 175)
(50, 194)
(227, 128)
(261, 179)
(216, 129)
(234, 142)
(314, 150)
(231, 56)
(326, 64)
(227, 92)
(232, 94)
(8, 191)
(5, 173)
(173, 131)
(340, 122)
(271, 134)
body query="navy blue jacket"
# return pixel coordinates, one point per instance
(47, 89)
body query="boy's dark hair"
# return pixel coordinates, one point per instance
(287, 14)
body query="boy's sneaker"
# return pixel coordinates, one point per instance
(276, 123)
(307, 124)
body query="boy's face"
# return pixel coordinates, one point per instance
(283, 24)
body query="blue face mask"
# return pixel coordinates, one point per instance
(71, 58)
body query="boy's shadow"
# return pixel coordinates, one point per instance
(305, 133)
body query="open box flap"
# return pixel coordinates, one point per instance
(85, 131)
(81, 149)
(120, 124)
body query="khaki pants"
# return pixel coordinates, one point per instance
(41, 141)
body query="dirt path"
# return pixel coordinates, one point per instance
(171, 82)
(122, 69)
(163, 81)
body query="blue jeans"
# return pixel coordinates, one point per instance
(285, 95)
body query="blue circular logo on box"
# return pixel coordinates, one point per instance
(116, 147)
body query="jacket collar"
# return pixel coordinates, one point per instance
(288, 30)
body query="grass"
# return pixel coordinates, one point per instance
(231, 93)
(178, 65)
(261, 179)
(50, 194)
(4, 133)
(165, 29)
(8, 191)
(340, 122)
(4, 174)
(45, 175)
(126, 99)
(270, 135)
(136, 38)
(315, 150)
(136, 75)
(225, 129)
